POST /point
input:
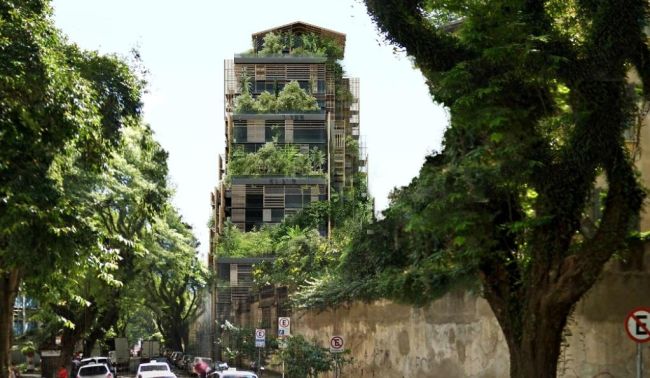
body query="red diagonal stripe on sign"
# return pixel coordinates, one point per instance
(641, 324)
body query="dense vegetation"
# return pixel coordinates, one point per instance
(539, 99)
(272, 159)
(290, 99)
(84, 198)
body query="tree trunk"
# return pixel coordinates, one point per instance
(9, 283)
(105, 322)
(536, 356)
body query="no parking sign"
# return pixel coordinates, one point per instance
(637, 325)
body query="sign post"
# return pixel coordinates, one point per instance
(637, 326)
(260, 342)
(284, 330)
(260, 338)
(337, 345)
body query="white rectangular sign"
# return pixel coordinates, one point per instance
(284, 327)
(260, 338)
(50, 353)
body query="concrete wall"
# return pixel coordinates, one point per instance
(458, 336)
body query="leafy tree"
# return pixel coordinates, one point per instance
(236, 243)
(538, 97)
(292, 97)
(173, 277)
(299, 254)
(245, 103)
(273, 44)
(266, 103)
(83, 297)
(306, 359)
(53, 98)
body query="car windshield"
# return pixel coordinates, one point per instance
(160, 367)
(92, 370)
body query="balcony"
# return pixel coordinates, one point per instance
(281, 58)
(316, 115)
(279, 180)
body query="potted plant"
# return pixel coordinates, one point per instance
(28, 349)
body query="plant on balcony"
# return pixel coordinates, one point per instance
(276, 160)
(291, 98)
(310, 44)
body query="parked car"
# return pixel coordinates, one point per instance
(155, 370)
(100, 360)
(187, 363)
(180, 360)
(93, 370)
(220, 365)
(232, 373)
(197, 360)
(174, 355)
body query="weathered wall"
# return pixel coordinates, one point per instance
(458, 336)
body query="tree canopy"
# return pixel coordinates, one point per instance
(539, 100)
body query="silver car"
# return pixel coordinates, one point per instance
(232, 373)
(94, 371)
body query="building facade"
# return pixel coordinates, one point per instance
(323, 139)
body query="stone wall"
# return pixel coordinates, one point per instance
(458, 336)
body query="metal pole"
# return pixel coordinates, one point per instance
(282, 368)
(259, 359)
(639, 360)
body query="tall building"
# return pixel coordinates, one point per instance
(292, 139)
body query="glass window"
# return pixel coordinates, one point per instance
(93, 370)
(239, 134)
(273, 133)
(254, 201)
(293, 201)
(308, 135)
(277, 215)
(259, 86)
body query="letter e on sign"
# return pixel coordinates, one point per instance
(637, 324)
(284, 327)
(336, 344)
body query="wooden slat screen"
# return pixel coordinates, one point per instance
(256, 132)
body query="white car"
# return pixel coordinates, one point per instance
(155, 370)
(94, 371)
(232, 373)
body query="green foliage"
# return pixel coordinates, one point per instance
(273, 44)
(291, 98)
(239, 343)
(303, 358)
(173, 278)
(236, 243)
(274, 160)
(245, 103)
(299, 254)
(63, 112)
(301, 45)
(266, 103)
(538, 99)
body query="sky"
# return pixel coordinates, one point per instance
(183, 45)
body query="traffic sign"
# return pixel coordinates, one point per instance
(336, 344)
(260, 338)
(637, 324)
(284, 327)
